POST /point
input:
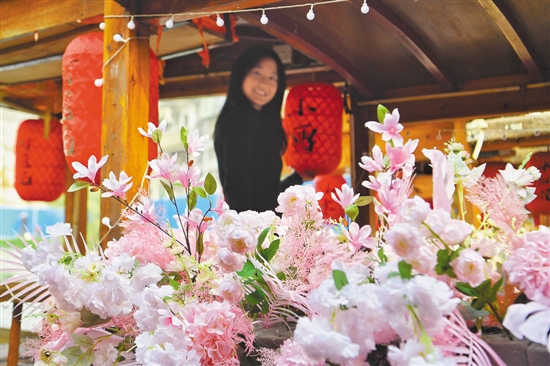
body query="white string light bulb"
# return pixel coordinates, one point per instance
(264, 19)
(310, 14)
(170, 23)
(102, 25)
(118, 38)
(98, 82)
(365, 8)
(219, 21)
(131, 24)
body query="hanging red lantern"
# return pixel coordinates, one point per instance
(327, 184)
(541, 204)
(492, 168)
(82, 101)
(313, 124)
(39, 161)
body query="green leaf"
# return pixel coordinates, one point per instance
(175, 284)
(471, 313)
(261, 237)
(156, 136)
(82, 340)
(364, 200)
(78, 185)
(393, 274)
(169, 190)
(183, 138)
(210, 184)
(466, 289)
(478, 304)
(405, 270)
(248, 270)
(340, 278)
(200, 244)
(526, 160)
(265, 307)
(75, 356)
(255, 297)
(382, 256)
(352, 211)
(381, 112)
(272, 250)
(192, 200)
(200, 192)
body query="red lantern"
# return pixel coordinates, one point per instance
(39, 161)
(327, 184)
(492, 168)
(541, 204)
(82, 100)
(313, 124)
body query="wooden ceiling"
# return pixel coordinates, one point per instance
(404, 52)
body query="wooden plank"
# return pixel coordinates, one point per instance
(15, 335)
(125, 108)
(504, 18)
(17, 18)
(307, 41)
(392, 24)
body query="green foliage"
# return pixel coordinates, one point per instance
(156, 136)
(483, 294)
(364, 200)
(183, 137)
(192, 200)
(444, 259)
(382, 256)
(352, 211)
(200, 192)
(405, 270)
(170, 191)
(340, 278)
(381, 111)
(248, 270)
(78, 185)
(210, 184)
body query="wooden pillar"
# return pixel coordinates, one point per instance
(125, 107)
(15, 335)
(76, 210)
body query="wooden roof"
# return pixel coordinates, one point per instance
(399, 51)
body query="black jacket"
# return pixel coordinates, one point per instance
(248, 148)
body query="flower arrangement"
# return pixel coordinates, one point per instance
(195, 293)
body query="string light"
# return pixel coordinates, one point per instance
(264, 19)
(365, 8)
(310, 14)
(102, 25)
(118, 38)
(439, 135)
(537, 133)
(219, 21)
(98, 82)
(170, 23)
(131, 24)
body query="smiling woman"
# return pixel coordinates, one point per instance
(249, 139)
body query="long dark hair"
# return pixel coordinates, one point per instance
(236, 98)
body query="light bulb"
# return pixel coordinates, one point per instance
(219, 21)
(102, 25)
(365, 8)
(310, 14)
(131, 24)
(537, 133)
(264, 19)
(118, 38)
(98, 82)
(170, 23)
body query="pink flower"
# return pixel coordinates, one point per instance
(151, 128)
(360, 237)
(188, 176)
(195, 144)
(402, 157)
(443, 179)
(118, 187)
(221, 205)
(292, 354)
(405, 240)
(230, 262)
(91, 170)
(231, 290)
(414, 211)
(469, 267)
(390, 129)
(345, 196)
(240, 241)
(146, 208)
(163, 167)
(374, 164)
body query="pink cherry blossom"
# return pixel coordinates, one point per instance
(359, 237)
(91, 170)
(151, 128)
(469, 267)
(118, 187)
(390, 129)
(231, 290)
(163, 167)
(195, 144)
(345, 196)
(188, 176)
(374, 164)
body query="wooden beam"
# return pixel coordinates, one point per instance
(308, 42)
(125, 108)
(17, 18)
(15, 334)
(76, 211)
(504, 18)
(393, 25)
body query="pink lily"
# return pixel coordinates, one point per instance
(345, 196)
(91, 170)
(402, 157)
(360, 236)
(195, 144)
(390, 129)
(118, 187)
(390, 197)
(376, 182)
(374, 164)
(164, 166)
(443, 179)
(151, 128)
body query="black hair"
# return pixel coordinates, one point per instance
(246, 61)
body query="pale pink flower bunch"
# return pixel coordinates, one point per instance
(300, 202)
(529, 265)
(470, 267)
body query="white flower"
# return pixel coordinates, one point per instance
(59, 229)
(195, 144)
(518, 177)
(469, 267)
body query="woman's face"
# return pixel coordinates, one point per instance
(260, 84)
